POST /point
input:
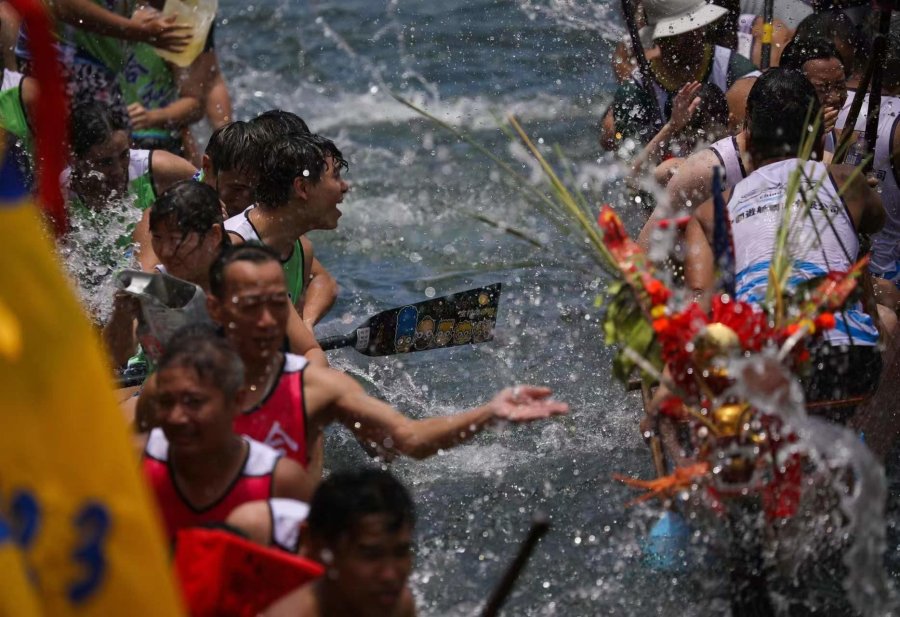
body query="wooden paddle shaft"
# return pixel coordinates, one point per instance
(539, 526)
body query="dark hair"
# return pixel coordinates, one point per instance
(192, 206)
(347, 496)
(275, 123)
(91, 124)
(291, 156)
(783, 106)
(200, 347)
(232, 147)
(801, 50)
(837, 27)
(254, 252)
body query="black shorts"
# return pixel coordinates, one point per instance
(840, 373)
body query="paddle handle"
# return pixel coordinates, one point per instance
(539, 526)
(337, 342)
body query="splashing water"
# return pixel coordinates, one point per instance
(841, 466)
(98, 246)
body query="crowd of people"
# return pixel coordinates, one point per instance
(229, 423)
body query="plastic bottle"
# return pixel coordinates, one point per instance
(199, 14)
(857, 151)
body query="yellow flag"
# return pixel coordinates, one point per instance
(83, 537)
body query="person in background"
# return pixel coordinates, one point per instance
(686, 55)
(821, 64)
(699, 114)
(198, 469)
(360, 527)
(94, 40)
(162, 102)
(750, 34)
(207, 73)
(105, 169)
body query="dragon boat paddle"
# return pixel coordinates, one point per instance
(539, 526)
(463, 318)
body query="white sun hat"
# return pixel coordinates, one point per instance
(673, 17)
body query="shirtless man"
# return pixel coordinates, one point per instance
(289, 402)
(299, 188)
(360, 528)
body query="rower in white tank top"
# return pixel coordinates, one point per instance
(823, 241)
(886, 243)
(729, 155)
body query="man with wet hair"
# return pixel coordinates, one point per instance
(229, 165)
(784, 107)
(290, 402)
(360, 527)
(299, 188)
(198, 468)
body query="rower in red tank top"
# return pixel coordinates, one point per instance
(253, 482)
(199, 469)
(279, 421)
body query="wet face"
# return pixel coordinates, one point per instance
(187, 256)
(103, 170)
(371, 565)
(236, 189)
(195, 416)
(255, 308)
(323, 197)
(827, 77)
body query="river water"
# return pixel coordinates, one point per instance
(406, 231)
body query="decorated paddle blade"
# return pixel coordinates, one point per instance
(463, 318)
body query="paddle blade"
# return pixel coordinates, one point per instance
(467, 317)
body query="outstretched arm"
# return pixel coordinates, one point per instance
(333, 396)
(302, 341)
(146, 26)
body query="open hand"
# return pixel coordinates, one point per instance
(525, 403)
(685, 104)
(163, 32)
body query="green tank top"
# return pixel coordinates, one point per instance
(148, 80)
(293, 272)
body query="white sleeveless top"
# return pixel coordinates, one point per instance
(755, 211)
(287, 514)
(11, 79)
(240, 225)
(726, 150)
(886, 243)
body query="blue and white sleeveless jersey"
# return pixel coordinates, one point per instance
(822, 241)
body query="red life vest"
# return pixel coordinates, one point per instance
(254, 482)
(279, 421)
